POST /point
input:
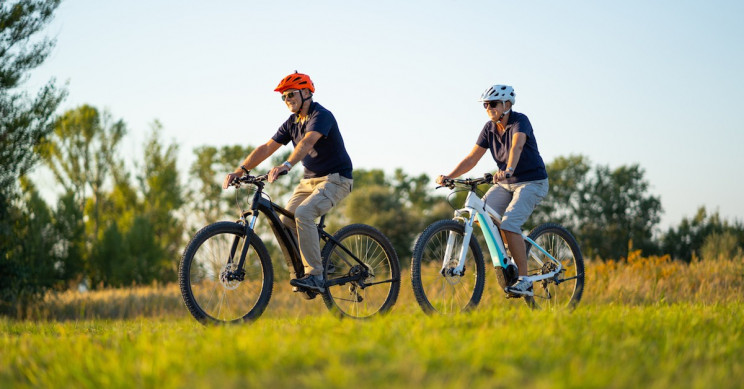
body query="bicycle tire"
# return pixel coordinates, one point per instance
(435, 292)
(553, 293)
(374, 249)
(213, 301)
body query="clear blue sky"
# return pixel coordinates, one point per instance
(654, 83)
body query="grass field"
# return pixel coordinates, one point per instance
(645, 322)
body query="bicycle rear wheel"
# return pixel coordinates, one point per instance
(565, 289)
(446, 293)
(210, 296)
(378, 291)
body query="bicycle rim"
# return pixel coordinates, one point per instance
(565, 291)
(382, 284)
(212, 298)
(446, 294)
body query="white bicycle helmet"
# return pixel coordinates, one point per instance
(498, 93)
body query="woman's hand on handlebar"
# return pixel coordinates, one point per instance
(440, 179)
(499, 176)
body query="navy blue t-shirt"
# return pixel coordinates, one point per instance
(328, 155)
(530, 166)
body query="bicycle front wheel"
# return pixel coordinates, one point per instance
(565, 289)
(435, 255)
(210, 293)
(377, 292)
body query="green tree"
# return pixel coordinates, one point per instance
(24, 123)
(703, 234)
(163, 197)
(568, 185)
(81, 154)
(141, 235)
(608, 210)
(36, 262)
(616, 214)
(110, 261)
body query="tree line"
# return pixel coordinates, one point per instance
(114, 225)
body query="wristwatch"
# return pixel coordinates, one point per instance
(287, 164)
(508, 172)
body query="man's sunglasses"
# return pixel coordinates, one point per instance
(289, 95)
(490, 104)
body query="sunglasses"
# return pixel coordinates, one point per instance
(289, 95)
(491, 104)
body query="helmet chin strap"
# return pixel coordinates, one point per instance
(302, 104)
(505, 112)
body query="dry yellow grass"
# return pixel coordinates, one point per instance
(638, 280)
(658, 279)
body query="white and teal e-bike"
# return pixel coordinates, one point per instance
(448, 272)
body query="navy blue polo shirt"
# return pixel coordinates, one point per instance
(530, 166)
(328, 155)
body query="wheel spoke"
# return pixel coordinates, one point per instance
(444, 293)
(376, 253)
(561, 245)
(213, 298)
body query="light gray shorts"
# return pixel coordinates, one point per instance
(515, 202)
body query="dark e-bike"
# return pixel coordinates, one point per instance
(226, 273)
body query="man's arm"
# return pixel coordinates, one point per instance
(252, 160)
(299, 152)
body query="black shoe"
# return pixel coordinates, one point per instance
(304, 293)
(310, 282)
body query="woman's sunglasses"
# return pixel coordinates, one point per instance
(491, 104)
(289, 95)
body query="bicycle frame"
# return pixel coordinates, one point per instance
(286, 240)
(476, 209)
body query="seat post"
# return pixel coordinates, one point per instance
(322, 221)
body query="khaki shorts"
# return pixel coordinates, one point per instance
(515, 202)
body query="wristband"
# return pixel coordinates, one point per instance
(287, 164)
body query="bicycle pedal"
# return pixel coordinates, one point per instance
(304, 293)
(512, 295)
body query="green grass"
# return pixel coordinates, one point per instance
(645, 322)
(506, 346)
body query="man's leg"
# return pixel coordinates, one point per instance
(328, 192)
(303, 190)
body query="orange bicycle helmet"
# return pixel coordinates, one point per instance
(295, 81)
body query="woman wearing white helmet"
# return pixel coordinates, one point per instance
(521, 181)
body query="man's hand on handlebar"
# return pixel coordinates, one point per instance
(231, 177)
(277, 171)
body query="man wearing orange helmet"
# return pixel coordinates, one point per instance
(327, 179)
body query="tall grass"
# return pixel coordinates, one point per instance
(636, 281)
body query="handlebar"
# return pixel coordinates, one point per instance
(470, 182)
(252, 180)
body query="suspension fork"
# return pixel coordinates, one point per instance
(448, 253)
